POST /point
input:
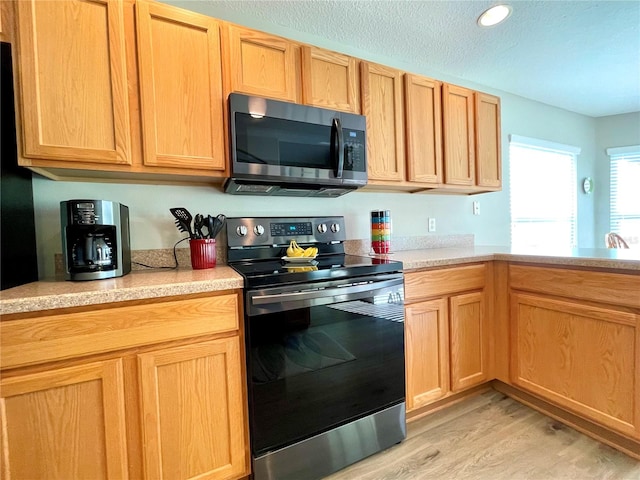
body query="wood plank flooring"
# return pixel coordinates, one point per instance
(491, 436)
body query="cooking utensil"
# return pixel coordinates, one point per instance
(215, 224)
(198, 223)
(218, 224)
(183, 220)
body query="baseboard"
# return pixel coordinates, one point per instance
(619, 442)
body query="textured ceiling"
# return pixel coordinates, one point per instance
(583, 56)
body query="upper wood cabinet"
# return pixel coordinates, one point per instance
(330, 80)
(73, 81)
(424, 129)
(262, 64)
(136, 90)
(2, 28)
(381, 89)
(179, 62)
(488, 142)
(458, 135)
(65, 423)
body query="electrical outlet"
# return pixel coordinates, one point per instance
(476, 208)
(432, 224)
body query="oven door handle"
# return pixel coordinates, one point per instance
(324, 293)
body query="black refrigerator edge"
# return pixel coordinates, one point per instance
(18, 260)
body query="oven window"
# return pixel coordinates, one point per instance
(316, 368)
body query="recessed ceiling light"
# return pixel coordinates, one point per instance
(494, 15)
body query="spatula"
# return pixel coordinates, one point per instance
(183, 220)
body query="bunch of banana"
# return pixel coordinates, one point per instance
(295, 250)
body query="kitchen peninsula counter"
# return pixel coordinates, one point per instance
(590, 258)
(140, 285)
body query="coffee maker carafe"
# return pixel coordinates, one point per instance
(95, 239)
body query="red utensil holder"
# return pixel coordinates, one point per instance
(203, 253)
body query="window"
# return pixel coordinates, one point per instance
(542, 193)
(625, 193)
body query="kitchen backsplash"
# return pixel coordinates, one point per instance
(164, 257)
(363, 246)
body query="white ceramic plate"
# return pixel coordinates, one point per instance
(298, 259)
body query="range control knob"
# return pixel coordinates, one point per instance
(322, 228)
(241, 230)
(258, 230)
(335, 228)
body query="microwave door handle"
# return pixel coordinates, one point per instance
(339, 148)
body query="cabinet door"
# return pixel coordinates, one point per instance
(381, 89)
(584, 358)
(424, 136)
(262, 64)
(488, 141)
(181, 88)
(427, 352)
(193, 410)
(73, 81)
(65, 423)
(330, 80)
(469, 341)
(458, 132)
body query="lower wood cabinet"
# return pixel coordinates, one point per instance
(579, 356)
(166, 404)
(65, 423)
(427, 352)
(576, 343)
(447, 337)
(469, 340)
(192, 410)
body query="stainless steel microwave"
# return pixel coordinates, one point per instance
(282, 148)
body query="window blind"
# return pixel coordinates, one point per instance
(542, 193)
(625, 193)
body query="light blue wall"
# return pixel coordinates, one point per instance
(613, 131)
(152, 225)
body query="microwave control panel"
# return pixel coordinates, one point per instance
(354, 151)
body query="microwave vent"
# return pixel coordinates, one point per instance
(293, 192)
(256, 189)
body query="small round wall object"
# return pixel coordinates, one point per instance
(587, 185)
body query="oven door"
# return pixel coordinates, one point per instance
(322, 355)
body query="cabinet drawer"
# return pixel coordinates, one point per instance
(611, 288)
(55, 337)
(432, 283)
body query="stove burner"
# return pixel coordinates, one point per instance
(256, 247)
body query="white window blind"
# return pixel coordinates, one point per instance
(625, 193)
(542, 193)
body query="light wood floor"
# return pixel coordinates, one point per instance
(491, 436)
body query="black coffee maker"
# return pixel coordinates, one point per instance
(95, 239)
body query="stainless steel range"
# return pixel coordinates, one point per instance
(325, 347)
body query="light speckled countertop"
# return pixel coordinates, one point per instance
(598, 258)
(52, 294)
(58, 293)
